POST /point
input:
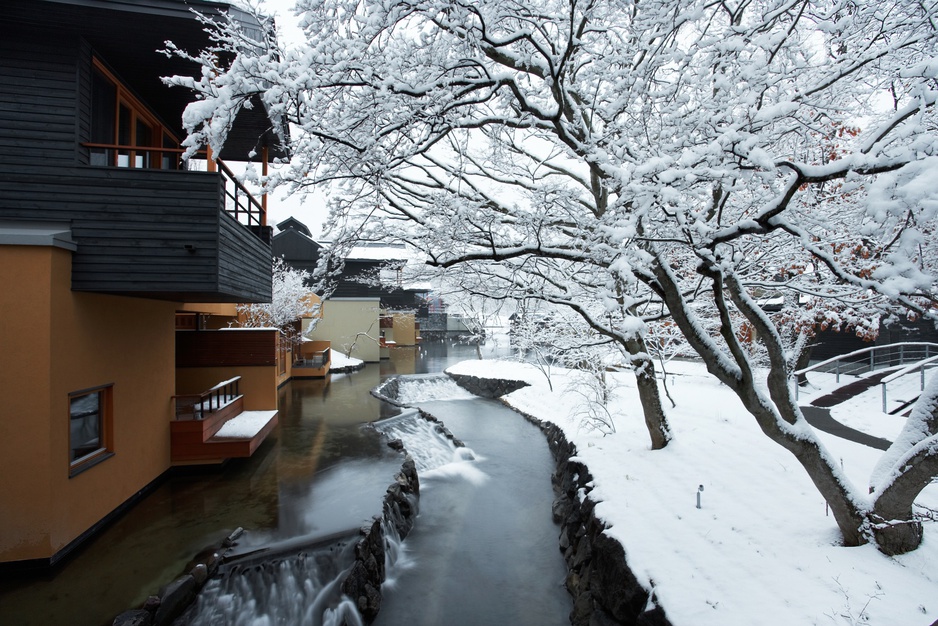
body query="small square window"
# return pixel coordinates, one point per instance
(89, 420)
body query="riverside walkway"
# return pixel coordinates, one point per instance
(818, 413)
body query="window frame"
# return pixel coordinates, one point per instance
(152, 155)
(105, 414)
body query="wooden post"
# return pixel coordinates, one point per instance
(210, 157)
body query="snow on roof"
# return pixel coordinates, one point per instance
(380, 252)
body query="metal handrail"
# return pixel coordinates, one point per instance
(920, 365)
(210, 400)
(906, 351)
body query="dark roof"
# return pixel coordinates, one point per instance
(128, 34)
(292, 245)
(295, 224)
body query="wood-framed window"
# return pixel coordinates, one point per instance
(124, 132)
(90, 425)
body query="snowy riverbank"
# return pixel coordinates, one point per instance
(761, 549)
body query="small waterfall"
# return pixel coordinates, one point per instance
(428, 442)
(396, 558)
(414, 389)
(410, 390)
(301, 589)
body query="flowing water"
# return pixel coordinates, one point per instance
(302, 498)
(484, 549)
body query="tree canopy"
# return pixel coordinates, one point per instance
(632, 161)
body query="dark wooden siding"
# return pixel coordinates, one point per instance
(215, 348)
(37, 99)
(148, 233)
(828, 343)
(145, 233)
(236, 244)
(83, 101)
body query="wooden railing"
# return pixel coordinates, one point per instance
(239, 202)
(199, 406)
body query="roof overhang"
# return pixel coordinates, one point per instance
(128, 36)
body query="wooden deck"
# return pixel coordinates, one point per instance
(197, 441)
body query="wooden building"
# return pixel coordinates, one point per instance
(108, 241)
(363, 317)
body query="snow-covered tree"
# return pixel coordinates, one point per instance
(615, 156)
(291, 301)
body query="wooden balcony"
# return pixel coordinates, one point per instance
(213, 426)
(314, 360)
(186, 236)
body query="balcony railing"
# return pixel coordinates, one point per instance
(239, 202)
(315, 360)
(199, 406)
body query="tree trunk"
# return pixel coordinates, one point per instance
(908, 466)
(778, 417)
(804, 358)
(644, 368)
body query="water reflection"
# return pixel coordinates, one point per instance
(278, 492)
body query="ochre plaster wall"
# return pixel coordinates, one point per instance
(258, 383)
(404, 329)
(25, 337)
(342, 319)
(67, 341)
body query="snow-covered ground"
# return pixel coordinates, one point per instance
(762, 548)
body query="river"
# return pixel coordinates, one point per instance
(318, 474)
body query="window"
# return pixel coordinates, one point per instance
(124, 133)
(89, 422)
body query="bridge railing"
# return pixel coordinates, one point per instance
(873, 358)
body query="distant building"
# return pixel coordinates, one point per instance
(361, 318)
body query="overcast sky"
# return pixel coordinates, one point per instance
(312, 211)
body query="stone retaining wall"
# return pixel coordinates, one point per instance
(487, 387)
(363, 583)
(604, 588)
